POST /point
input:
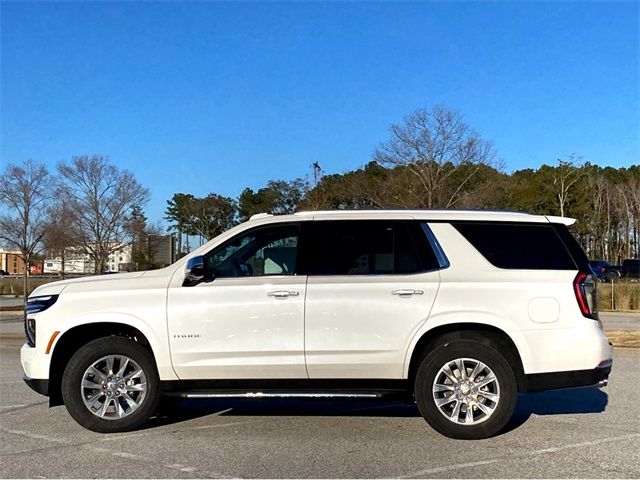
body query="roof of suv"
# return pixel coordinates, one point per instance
(442, 215)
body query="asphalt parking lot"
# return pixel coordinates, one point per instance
(584, 433)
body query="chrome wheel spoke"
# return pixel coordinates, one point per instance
(93, 400)
(447, 371)
(140, 387)
(103, 409)
(494, 397)
(476, 370)
(456, 411)
(124, 362)
(446, 400)
(130, 401)
(461, 368)
(109, 362)
(486, 410)
(97, 373)
(89, 384)
(120, 410)
(487, 380)
(135, 374)
(439, 387)
(468, 416)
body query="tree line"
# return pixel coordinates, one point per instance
(87, 204)
(433, 159)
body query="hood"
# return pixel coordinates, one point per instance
(95, 281)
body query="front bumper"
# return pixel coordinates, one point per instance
(38, 385)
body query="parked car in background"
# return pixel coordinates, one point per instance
(604, 270)
(630, 268)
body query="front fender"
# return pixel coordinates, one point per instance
(159, 346)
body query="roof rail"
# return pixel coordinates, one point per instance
(260, 215)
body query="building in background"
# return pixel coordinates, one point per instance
(11, 262)
(76, 261)
(163, 250)
(120, 260)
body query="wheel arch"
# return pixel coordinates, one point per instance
(485, 333)
(74, 338)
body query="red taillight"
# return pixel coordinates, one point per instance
(584, 286)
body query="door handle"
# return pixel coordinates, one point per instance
(283, 293)
(407, 292)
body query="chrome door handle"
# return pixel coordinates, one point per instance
(407, 292)
(283, 293)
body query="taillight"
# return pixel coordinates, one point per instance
(584, 286)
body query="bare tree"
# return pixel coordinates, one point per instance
(435, 146)
(59, 232)
(565, 177)
(99, 197)
(24, 192)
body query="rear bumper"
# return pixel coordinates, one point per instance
(557, 380)
(38, 385)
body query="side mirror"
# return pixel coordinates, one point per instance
(194, 272)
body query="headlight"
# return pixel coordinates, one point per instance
(39, 304)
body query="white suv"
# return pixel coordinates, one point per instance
(457, 310)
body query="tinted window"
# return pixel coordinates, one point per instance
(361, 248)
(517, 245)
(259, 252)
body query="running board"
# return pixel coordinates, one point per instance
(275, 394)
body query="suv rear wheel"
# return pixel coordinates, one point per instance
(466, 389)
(111, 385)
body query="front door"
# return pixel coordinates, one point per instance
(247, 320)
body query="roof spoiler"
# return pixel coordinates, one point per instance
(563, 220)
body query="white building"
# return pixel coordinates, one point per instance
(78, 262)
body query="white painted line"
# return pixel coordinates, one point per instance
(36, 436)
(541, 451)
(14, 406)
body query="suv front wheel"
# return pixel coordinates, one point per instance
(111, 385)
(465, 389)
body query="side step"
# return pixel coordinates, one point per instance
(276, 394)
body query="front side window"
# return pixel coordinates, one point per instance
(260, 252)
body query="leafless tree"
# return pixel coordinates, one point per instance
(60, 234)
(565, 177)
(24, 194)
(99, 197)
(436, 146)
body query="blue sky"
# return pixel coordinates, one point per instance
(212, 97)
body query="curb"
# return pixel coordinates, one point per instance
(12, 308)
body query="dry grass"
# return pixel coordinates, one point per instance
(626, 296)
(13, 285)
(624, 338)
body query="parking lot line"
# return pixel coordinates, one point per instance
(447, 468)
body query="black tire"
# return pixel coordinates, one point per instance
(490, 356)
(84, 358)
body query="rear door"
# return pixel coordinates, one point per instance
(371, 284)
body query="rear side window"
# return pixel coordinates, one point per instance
(360, 247)
(529, 246)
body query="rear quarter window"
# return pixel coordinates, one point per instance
(535, 246)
